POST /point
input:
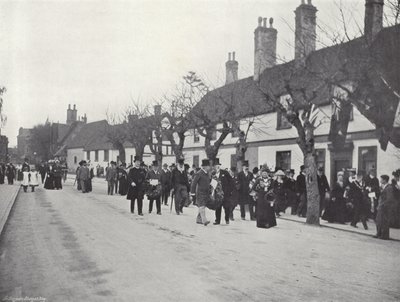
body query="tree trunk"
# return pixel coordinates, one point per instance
(241, 148)
(139, 151)
(122, 155)
(312, 189)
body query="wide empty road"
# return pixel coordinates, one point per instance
(69, 246)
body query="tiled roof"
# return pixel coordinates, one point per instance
(90, 136)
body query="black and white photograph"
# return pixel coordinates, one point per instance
(199, 150)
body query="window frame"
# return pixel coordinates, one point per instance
(360, 166)
(279, 164)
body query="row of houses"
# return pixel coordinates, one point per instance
(272, 140)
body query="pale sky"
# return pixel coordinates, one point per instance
(101, 54)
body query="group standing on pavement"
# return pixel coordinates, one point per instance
(263, 193)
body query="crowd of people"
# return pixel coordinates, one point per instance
(263, 193)
(51, 174)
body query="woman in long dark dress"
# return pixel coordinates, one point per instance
(123, 180)
(265, 202)
(49, 181)
(336, 209)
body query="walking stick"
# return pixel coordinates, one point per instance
(172, 202)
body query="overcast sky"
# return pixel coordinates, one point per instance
(101, 54)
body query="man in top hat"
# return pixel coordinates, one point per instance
(244, 178)
(372, 187)
(227, 186)
(290, 185)
(153, 178)
(165, 184)
(136, 183)
(180, 185)
(323, 188)
(301, 192)
(201, 189)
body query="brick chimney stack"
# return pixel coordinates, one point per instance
(72, 115)
(373, 18)
(231, 69)
(264, 46)
(305, 32)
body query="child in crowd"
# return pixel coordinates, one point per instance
(26, 179)
(34, 179)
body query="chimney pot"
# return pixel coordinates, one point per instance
(373, 18)
(271, 21)
(305, 30)
(264, 22)
(259, 21)
(231, 69)
(264, 48)
(74, 107)
(229, 56)
(69, 106)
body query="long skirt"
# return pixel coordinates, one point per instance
(265, 214)
(123, 186)
(49, 183)
(382, 223)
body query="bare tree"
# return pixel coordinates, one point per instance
(116, 134)
(3, 117)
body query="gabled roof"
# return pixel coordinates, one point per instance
(246, 97)
(90, 136)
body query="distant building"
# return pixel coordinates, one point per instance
(59, 135)
(3, 149)
(23, 146)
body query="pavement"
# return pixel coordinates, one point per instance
(394, 233)
(69, 246)
(8, 194)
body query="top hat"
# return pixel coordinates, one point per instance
(302, 167)
(279, 173)
(181, 161)
(155, 163)
(205, 162)
(245, 163)
(136, 158)
(233, 169)
(216, 162)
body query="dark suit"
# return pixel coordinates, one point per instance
(244, 194)
(166, 185)
(201, 187)
(227, 187)
(385, 204)
(180, 184)
(302, 193)
(138, 176)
